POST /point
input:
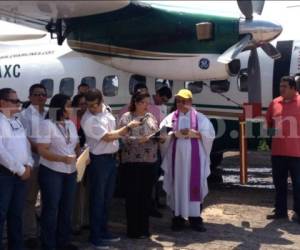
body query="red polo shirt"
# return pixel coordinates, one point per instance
(284, 117)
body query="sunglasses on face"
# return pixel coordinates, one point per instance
(14, 101)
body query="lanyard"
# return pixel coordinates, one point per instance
(65, 133)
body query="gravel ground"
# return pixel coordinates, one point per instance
(234, 216)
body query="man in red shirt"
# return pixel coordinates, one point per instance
(284, 117)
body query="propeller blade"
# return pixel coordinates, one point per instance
(254, 79)
(234, 50)
(8, 38)
(248, 7)
(258, 6)
(271, 51)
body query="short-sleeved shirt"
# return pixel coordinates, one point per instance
(14, 146)
(95, 127)
(62, 140)
(133, 151)
(31, 119)
(284, 117)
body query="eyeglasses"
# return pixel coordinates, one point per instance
(40, 95)
(14, 101)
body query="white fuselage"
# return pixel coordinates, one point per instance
(22, 66)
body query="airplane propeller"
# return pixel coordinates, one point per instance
(255, 33)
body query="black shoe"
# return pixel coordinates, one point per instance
(32, 243)
(155, 213)
(276, 216)
(178, 224)
(197, 224)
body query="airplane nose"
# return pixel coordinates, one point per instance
(261, 31)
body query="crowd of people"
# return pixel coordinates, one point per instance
(39, 146)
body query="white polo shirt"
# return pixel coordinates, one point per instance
(95, 127)
(55, 135)
(31, 119)
(15, 151)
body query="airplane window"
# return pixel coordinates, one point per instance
(204, 30)
(49, 85)
(66, 86)
(89, 80)
(194, 87)
(220, 86)
(161, 83)
(110, 86)
(242, 80)
(135, 79)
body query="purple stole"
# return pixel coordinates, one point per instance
(195, 192)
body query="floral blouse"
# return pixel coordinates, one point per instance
(132, 150)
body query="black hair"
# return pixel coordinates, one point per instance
(137, 97)
(139, 86)
(76, 99)
(164, 91)
(57, 107)
(290, 80)
(26, 104)
(36, 86)
(83, 84)
(94, 94)
(4, 93)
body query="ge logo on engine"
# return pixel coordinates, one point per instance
(204, 63)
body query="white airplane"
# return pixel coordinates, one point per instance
(151, 39)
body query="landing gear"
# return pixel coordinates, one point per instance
(58, 28)
(216, 172)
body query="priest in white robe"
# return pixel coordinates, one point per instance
(186, 161)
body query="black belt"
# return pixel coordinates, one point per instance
(6, 171)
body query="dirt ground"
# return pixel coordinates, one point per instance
(234, 216)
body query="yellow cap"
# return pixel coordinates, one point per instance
(185, 93)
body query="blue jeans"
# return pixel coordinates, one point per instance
(12, 200)
(281, 165)
(58, 193)
(102, 176)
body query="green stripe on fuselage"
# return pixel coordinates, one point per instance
(141, 27)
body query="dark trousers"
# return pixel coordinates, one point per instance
(138, 178)
(102, 176)
(12, 199)
(58, 193)
(281, 165)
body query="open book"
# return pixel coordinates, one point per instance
(81, 163)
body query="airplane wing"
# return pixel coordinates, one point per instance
(37, 14)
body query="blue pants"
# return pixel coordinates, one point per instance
(102, 176)
(58, 193)
(281, 165)
(12, 199)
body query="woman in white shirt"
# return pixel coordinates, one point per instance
(58, 146)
